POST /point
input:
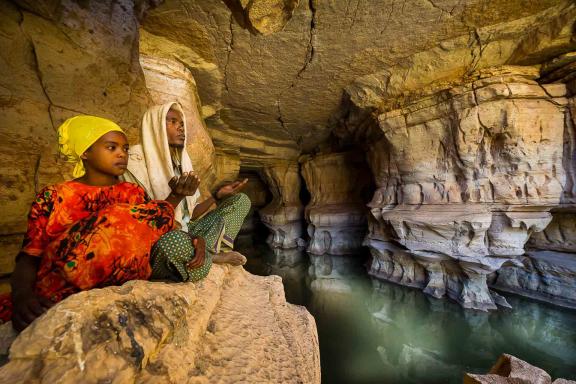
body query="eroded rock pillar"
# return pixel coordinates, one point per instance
(336, 214)
(284, 215)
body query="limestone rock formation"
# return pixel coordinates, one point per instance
(284, 215)
(262, 16)
(229, 328)
(336, 214)
(466, 171)
(548, 268)
(485, 167)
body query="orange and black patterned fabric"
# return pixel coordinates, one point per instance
(90, 237)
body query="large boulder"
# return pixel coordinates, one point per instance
(231, 327)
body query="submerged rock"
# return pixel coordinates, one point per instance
(231, 327)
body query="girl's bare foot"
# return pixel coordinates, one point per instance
(231, 257)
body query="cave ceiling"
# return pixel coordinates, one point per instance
(275, 70)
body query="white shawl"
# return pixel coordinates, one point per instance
(150, 164)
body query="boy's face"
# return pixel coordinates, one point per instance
(108, 155)
(175, 128)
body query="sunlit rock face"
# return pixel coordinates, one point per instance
(231, 327)
(284, 214)
(336, 214)
(465, 175)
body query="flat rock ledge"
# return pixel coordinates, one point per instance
(232, 327)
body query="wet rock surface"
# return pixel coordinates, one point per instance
(336, 215)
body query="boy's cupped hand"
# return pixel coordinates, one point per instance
(185, 185)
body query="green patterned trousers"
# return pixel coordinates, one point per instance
(219, 227)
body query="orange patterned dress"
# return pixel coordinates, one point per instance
(90, 236)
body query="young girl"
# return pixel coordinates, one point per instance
(90, 232)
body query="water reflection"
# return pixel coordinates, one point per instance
(348, 353)
(377, 332)
(429, 340)
(290, 264)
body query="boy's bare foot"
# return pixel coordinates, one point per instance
(231, 257)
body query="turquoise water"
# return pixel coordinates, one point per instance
(377, 332)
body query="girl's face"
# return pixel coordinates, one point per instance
(175, 128)
(108, 155)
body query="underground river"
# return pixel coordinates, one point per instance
(377, 332)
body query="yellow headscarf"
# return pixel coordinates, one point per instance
(78, 133)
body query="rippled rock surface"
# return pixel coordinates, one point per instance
(231, 327)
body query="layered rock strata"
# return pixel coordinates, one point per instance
(336, 214)
(284, 215)
(229, 328)
(465, 175)
(548, 270)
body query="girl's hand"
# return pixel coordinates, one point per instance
(27, 307)
(231, 189)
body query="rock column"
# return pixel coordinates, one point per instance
(336, 214)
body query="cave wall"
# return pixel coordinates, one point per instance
(59, 59)
(284, 214)
(548, 268)
(472, 156)
(483, 169)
